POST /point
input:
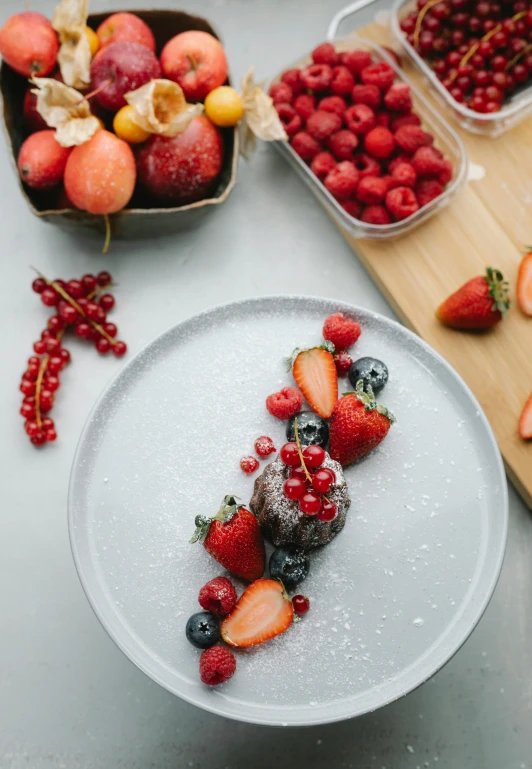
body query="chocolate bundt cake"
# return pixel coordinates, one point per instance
(280, 518)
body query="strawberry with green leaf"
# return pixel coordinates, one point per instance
(481, 303)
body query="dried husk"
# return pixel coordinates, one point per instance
(66, 110)
(161, 108)
(260, 120)
(74, 57)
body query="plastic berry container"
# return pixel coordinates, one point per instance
(513, 111)
(445, 139)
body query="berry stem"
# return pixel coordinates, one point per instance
(38, 383)
(518, 56)
(420, 17)
(107, 241)
(298, 444)
(487, 36)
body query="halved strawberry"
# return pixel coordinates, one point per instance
(315, 373)
(262, 612)
(525, 421)
(524, 284)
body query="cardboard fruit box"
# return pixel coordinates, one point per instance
(142, 217)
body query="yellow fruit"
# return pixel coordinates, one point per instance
(92, 37)
(126, 128)
(223, 106)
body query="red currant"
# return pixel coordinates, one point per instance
(301, 604)
(49, 297)
(89, 283)
(40, 347)
(328, 511)
(314, 456)
(103, 345)
(298, 472)
(83, 329)
(107, 301)
(52, 382)
(310, 503)
(65, 356)
(50, 435)
(75, 289)
(27, 411)
(343, 362)
(68, 313)
(27, 387)
(520, 73)
(264, 446)
(48, 424)
(53, 345)
(104, 278)
(32, 428)
(322, 481)
(93, 311)
(119, 349)
(55, 364)
(249, 464)
(55, 323)
(492, 106)
(494, 94)
(290, 455)
(482, 78)
(110, 329)
(498, 63)
(478, 104)
(39, 439)
(38, 285)
(31, 373)
(293, 488)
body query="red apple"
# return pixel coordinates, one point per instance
(29, 44)
(100, 174)
(42, 161)
(119, 68)
(184, 168)
(34, 121)
(125, 28)
(195, 60)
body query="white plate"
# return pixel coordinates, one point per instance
(393, 596)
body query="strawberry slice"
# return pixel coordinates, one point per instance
(315, 373)
(262, 612)
(524, 284)
(525, 421)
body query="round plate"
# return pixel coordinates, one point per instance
(392, 597)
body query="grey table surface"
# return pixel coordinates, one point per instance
(68, 697)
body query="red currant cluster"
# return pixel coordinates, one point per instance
(480, 50)
(309, 480)
(264, 447)
(82, 304)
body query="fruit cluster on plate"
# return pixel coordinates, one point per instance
(480, 50)
(299, 502)
(353, 122)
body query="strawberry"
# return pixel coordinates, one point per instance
(263, 612)
(234, 539)
(357, 425)
(524, 284)
(525, 420)
(315, 374)
(480, 303)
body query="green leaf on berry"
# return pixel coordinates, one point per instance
(228, 509)
(498, 290)
(367, 397)
(328, 346)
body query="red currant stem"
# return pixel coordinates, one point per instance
(298, 444)
(107, 241)
(474, 48)
(420, 17)
(38, 384)
(99, 290)
(66, 296)
(518, 56)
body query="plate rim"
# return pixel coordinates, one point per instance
(256, 718)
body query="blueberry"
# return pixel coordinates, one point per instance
(289, 564)
(203, 630)
(372, 372)
(313, 430)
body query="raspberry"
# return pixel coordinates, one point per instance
(343, 144)
(366, 165)
(383, 119)
(304, 105)
(281, 92)
(446, 173)
(342, 81)
(401, 120)
(322, 164)
(325, 54)
(305, 145)
(343, 362)
(333, 104)
(426, 162)
(410, 137)
(341, 331)
(405, 174)
(391, 182)
(393, 54)
(317, 77)
(376, 215)
(342, 180)
(218, 596)
(427, 190)
(351, 207)
(401, 203)
(372, 190)
(360, 119)
(217, 665)
(289, 118)
(381, 75)
(284, 404)
(366, 94)
(399, 159)
(321, 124)
(356, 61)
(379, 142)
(398, 98)
(292, 78)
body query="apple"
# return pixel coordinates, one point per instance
(184, 168)
(100, 174)
(120, 68)
(125, 28)
(42, 161)
(29, 44)
(195, 60)
(33, 120)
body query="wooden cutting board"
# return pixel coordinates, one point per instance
(487, 223)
